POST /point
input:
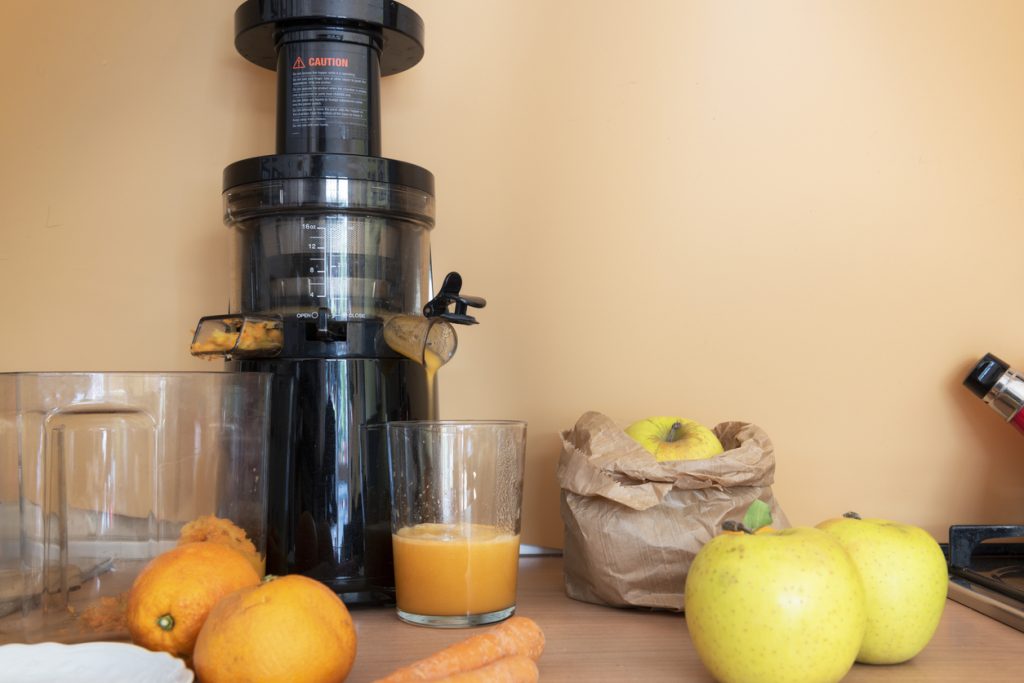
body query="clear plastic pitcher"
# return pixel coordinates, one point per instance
(99, 473)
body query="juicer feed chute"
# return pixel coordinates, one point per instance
(331, 262)
(329, 96)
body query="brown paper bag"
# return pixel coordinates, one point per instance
(633, 525)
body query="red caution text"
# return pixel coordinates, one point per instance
(327, 61)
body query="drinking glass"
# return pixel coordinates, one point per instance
(456, 499)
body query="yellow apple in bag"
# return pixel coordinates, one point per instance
(675, 438)
(905, 581)
(775, 607)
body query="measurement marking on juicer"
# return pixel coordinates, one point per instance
(316, 236)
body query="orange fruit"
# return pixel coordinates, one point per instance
(173, 594)
(225, 532)
(291, 628)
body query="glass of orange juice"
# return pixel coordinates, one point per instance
(456, 498)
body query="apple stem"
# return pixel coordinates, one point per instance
(730, 525)
(673, 433)
(852, 515)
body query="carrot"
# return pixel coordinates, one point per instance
(516, 636)
(514, 669)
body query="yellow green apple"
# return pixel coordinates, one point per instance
(775, 606)
(905, 582)
(675, 438)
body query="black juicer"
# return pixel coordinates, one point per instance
(332, 284)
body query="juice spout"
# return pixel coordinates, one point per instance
(430, 339)
(431, 342)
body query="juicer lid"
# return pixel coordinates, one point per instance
(256, 22)
(327, 166)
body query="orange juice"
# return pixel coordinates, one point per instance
(431, 363)
(448, 570)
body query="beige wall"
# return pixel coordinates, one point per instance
(806, 215)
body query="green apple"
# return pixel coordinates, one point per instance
(675, 438)
(905, 581)
(775, 606)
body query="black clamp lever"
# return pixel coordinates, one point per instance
(448, 295)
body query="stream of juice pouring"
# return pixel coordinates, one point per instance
(431, 363)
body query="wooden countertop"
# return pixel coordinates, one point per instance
(594, 643)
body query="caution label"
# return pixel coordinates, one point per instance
(328, 98)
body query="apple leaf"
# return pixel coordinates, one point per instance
(759, 514)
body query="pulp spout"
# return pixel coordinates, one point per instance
(242, 336)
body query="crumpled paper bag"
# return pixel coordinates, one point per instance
(633, 525)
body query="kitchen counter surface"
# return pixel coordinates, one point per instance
(594, 643)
